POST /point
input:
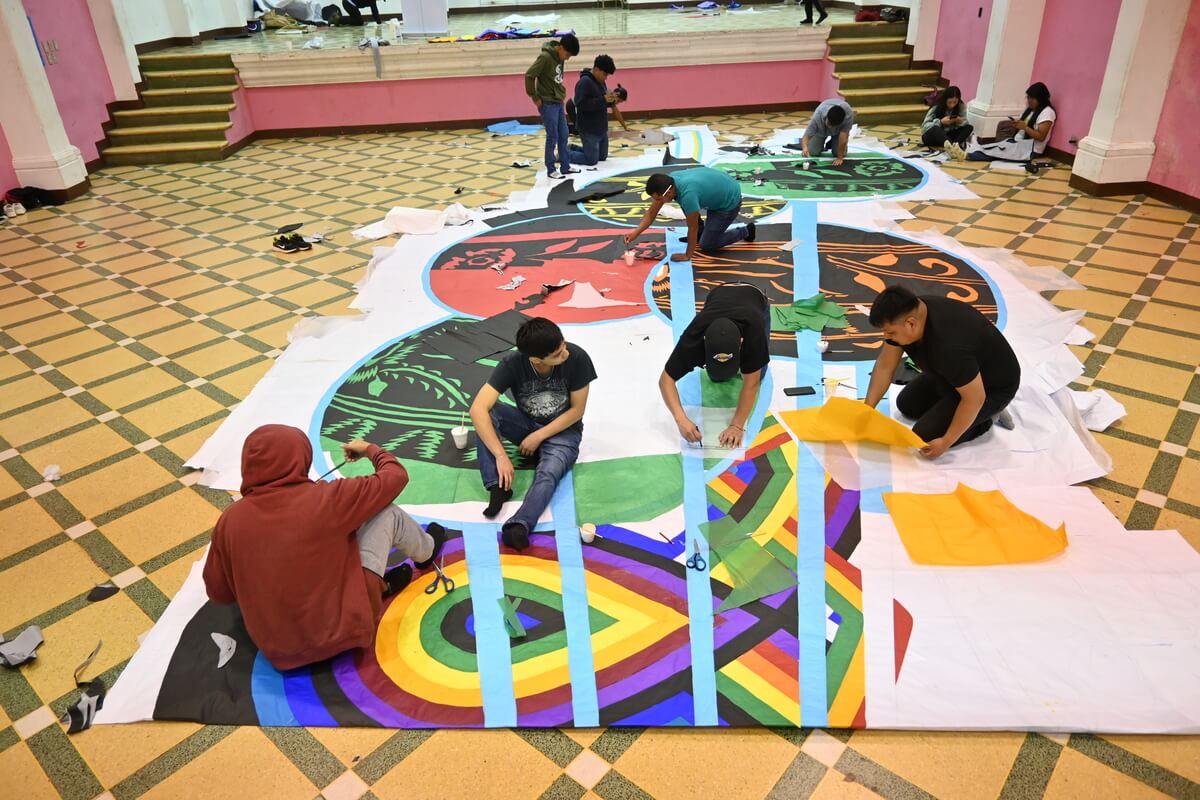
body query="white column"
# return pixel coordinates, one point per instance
(42, 154)
(1012, 41)
(116, 44)
(1120, 144)
(922, 27)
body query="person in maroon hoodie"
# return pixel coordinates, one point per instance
(304, 560)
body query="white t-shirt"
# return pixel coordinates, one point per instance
(1047, 115)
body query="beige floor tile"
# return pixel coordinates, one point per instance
(496, 762)
(1131, 462)
(1184, 349)
(159, 273)
(1180, 754)
(836, 786)
(159, 526)
(1145, 417)
(216, 357)
(1086, 218)
(316, 294)
(583, 736)
(101, 365)
(1136, 244)
(62, 348)
(186, 445)
(349, 744)
(9, 486)
(1077, 777)
(134, 388)
(27, 592)
(115, 485)
(179, 339)
(1063, 251)
(1145, 376)
(1149, 227)
(1167, 316)
(29, 321)
(1188, 526)
(715, 765)
(24, 524)
(276, 281)
(11, 366)
(947, 765)
(42, 420)
(82, 448)
(262, 770)
(114, 752)
(1177, 292)
(1004, 222)
(254, 313)
(241, 382)
(108, 305)
(1184, 271)
(23, 776)
(152, 319)
(1100, 278)
(217, 299)
(174, 412)
(188, 284)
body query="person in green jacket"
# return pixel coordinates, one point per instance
(945, 126)
(545, 87)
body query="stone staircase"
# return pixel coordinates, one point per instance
(875, 74)
(186, 102)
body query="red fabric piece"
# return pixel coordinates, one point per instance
(287, 551)
(902, 624)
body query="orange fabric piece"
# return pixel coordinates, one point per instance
(844, 420)
(971, 528)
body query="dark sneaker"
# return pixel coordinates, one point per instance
(284, 245)
(397, 579)
(439, 538)
(515, 535)
(751, 231)
(298, 242)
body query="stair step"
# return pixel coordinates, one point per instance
(168, 78)
(172, 115)
(856, 30)
(908, 112)
(207, 150)
(177, 73)
(887, 95)
(167, 134)
(165, 147)
(189, 95)
(878, 44)
(869, 62)
(880, 79)
(185, 61)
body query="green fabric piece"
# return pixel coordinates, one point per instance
(723, 533)
(756, 574)
(515, 629)
(814, 313)
(626, 489)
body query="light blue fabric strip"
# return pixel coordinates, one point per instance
(584, 703)
(270, 697)
(491, 637)
(810, 487)
(695, 506)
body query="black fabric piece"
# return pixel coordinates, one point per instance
(294, 226)
(671, 161)
(598, 192)
(503, 326)
(102, 592)
(467, 345)
(80, 716)
(396, 579)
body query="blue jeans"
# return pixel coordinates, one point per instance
(717, 234)
(594, 150)
(557, 455)
(555, 120)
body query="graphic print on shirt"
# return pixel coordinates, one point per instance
(543, 398)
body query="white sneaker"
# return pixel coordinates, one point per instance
(20, 209)
(555, 176)
(572, 171)
(10, 210)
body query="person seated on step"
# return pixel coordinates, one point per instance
(548, 378)
(1021, 139)
(698, 189)
(969, 373)
(730, 334)
(829, 129)
(945, 126)
(591, 103)
(305, 560)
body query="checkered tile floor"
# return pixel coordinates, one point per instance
(134, 318)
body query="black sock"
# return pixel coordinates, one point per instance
(515, 535)
(397, 579)
(438, 534)
(497, 497)
(751, 231)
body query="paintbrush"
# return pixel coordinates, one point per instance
(335, 469)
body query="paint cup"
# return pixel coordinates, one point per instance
(288, 44)
(587, 532)
(629, 256)
(806, 164)
(460, 434)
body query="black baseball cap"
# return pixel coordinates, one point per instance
(722, 349)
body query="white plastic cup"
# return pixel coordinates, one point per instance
(288, 44)
(460, 434)
(587, 532)
(629, 256)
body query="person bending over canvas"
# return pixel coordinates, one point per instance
(969, 373)
(730, 334)
(548, 378)
(304, 560)
(829, 129)
(698, 189)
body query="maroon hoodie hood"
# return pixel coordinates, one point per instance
(287, 551)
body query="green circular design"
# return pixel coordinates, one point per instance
(861, 175)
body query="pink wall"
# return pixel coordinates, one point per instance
(961, 38)
(79, 80)
(1072, 53)
(1177, 145)
(8, 176)
(243, 123)
(502, 96)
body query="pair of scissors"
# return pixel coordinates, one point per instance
(696, 561)
(441, 578)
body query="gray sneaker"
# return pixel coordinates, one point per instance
(1005, 420)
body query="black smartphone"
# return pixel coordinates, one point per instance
(792, 391)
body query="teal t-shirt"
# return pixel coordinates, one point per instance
(706, 189)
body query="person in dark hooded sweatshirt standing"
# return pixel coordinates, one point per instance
(592, 101)
(304, 560)
(545, 87)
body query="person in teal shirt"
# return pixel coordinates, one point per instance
(696, 190)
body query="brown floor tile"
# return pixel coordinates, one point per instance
(41, 421)
(27, 592)
(1185, 349)
(114, 752)
(1077, 777)
(216, 357)
(1144, 376)
(23, 776)
(716, 765)
(24, 524)
(115, 485)
(151, 319)
(174, 412)
(1177, 292)
(262, 770)
(161, 525)
(486, 764)
(134, 388)
(80, 449)
(1131, 462)
(947, 765)
(1109, 279)
(101, 365)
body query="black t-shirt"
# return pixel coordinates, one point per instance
(543, 398)
(960, 343)
(747, 308)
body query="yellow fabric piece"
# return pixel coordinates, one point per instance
(844, 420)
(971, 528)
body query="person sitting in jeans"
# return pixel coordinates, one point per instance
(545, 87)
(945, 126)
(698, 189)
(592, 101)
(548, 378)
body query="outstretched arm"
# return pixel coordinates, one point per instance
(732, 436)
(647, 220)
(670, 394)
(885, 369)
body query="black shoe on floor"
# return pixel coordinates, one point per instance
(514, 535)
(397, 579)
(439, 538)
(751, 231)
(298, 242)
(821, 18)
(806, 21)
(284, 245)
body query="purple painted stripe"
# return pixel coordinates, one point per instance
(836, 524)
(671, 664)
(673, 584)
(644, 543)
(787, 643)
(552, 717)
(352, 686)
(779, 598)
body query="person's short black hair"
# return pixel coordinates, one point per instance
(835, 115)
(569, 43)
(621, 92)
(538, 337)
(605, 64)
(892, 303)
(331, 14)
(658, 183)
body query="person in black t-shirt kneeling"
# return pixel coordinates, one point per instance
(731, 334)
(969, 373)
(548, 378)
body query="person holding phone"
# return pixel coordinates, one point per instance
(945, 126)
(1031, 131)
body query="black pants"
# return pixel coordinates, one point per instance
(808, 9)
(937, 136)
(932, 401)
(352, 10)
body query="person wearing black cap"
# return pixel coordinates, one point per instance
(729, 335)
